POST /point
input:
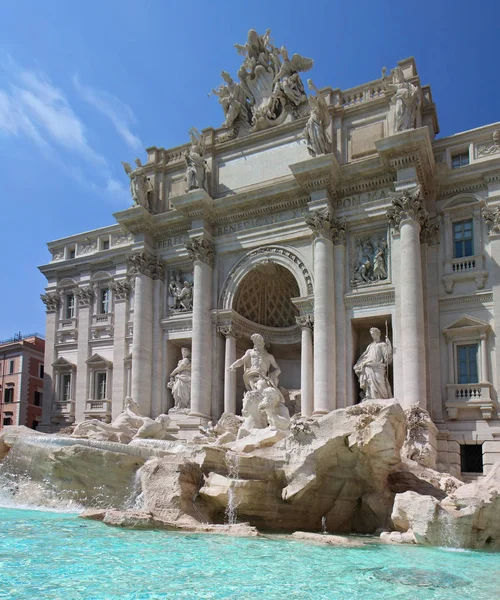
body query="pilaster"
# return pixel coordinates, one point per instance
(84, 296)
(121, 292)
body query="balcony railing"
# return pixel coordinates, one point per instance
(464, 269)
(104, 319)
(98, 407)
(63, 407)
(466, 396)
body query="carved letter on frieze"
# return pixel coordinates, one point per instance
(407, 205)
(52, 301)
(84, 295)
(201, 249)
(323, 224)
(492, 218)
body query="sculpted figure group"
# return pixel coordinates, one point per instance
(180, 294)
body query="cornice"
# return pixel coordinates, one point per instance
(320, 172)
(370, 298)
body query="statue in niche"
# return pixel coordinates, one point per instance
(180, 383)
(263, 402)
(406, 99)
(233, 99)
(370, 263)
(371, 368)
(196, 166)
(141, 186)
(315, 132)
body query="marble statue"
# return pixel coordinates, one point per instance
(263, 402)
(180, 294)
(180, 383)
(257, 363)
(371, 368)
(288, 80)
(196, 167)
(154, 429)
(406, 99)
(141, 187)
(233, 100)
(370, 260)
(315, 132)
(269, 88)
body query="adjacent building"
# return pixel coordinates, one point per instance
(21, 380)
(310, 220)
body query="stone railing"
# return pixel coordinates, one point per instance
(361, 94)
(68, 323)
(63, 407)
(102, 320)
(98, 407)
(463, 269)
(460, 396)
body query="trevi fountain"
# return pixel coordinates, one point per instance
(291, 449)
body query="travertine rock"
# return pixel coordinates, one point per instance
(327, 539)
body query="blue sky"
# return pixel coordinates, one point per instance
(85, 85)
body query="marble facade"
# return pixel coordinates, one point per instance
(309, 249)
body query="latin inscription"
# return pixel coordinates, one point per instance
(286, 215)
(170, 242)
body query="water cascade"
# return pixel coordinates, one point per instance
(232, 461)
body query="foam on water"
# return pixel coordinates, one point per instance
(53, 555)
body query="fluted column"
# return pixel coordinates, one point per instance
(229, 376)
(305, 322)
(121, 291)
(85, 297)
(201, 252)
(324, 229)
(407, 214)
(145, 268)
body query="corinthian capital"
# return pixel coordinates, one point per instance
(200, 249)
(323, 224)
(407, 205)
(305, 321)
(492, 218)
(52, 301)
(84, 295)
(121, 289)
(147, 264)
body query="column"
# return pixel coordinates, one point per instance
(158, 378)
(484, 359)
(142, 265)
(340, 319)
(305, 322)
(201, 252)
(229, 376)
(85, 298)
(408, 215)
(51, 301)
(121, 291)
(324, 229)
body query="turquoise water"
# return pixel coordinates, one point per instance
(58, 556)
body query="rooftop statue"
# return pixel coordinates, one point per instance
(269, 88)
(315, 132)
(406, 99)
(196, 166)
(141, 187)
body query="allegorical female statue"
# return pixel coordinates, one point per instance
(371, 368)
(180, 382)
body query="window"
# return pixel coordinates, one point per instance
(467, 364)
(70, 306)
(40, 371)
(38, 399)
(34, 424)
(460, 160)
(7, 420)
(101, 386)
(105, 245)
(72, 253)
(462, 239)
(65, 392)
(471, 458)
(9, 395)
(105, 301)
(11, 367)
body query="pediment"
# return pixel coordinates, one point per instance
(97, 360)
(465, 325)
(62, 362)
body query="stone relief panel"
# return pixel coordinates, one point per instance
(180, 291)
(370, 258)
(489, 148)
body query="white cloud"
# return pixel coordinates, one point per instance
(119, 113)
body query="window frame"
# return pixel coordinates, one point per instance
(10, 390)
(460, 155)
(468, 375)
(69, 305)
(12, 366)
(463, 241)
